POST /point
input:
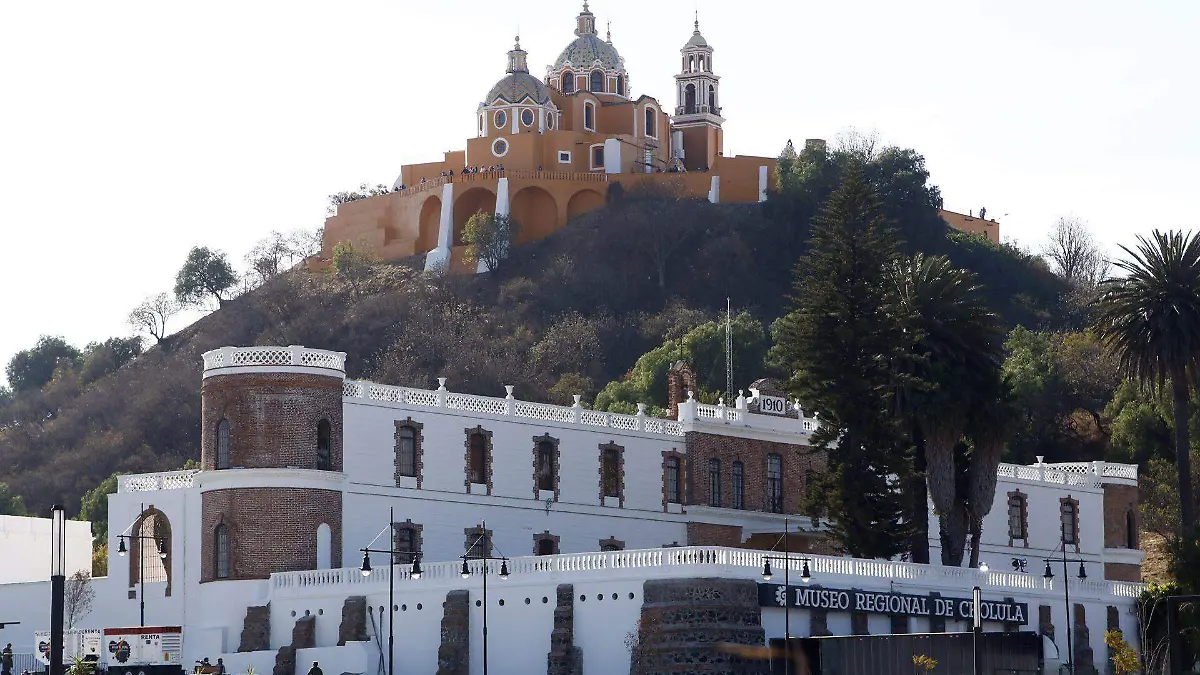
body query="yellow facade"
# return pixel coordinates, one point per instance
(972, 225)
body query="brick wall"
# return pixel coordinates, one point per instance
(270, 529)
(1122, 572)
(707, 534)
(272, 419)
(1119, 502)
(797, 462)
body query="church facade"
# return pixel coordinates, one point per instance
(547, 150)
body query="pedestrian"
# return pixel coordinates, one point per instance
(315, 670)
(220, 666)
(6, 659)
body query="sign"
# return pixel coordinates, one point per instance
(772, 405)
(871, 602)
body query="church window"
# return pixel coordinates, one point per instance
(712, 99)
(674, 487)
(739, 486)
(221, 552)
(549, 120)
(500, 147)
(689, 99)
(774, 483)
(597, 83)
(527, 117)
(651, 122)
(589, 116)
(406, 451)
(501, 119)
(324, 446)
(568, 82)
(621, 85)
(714, 483)
(223, 444)
(597, 157)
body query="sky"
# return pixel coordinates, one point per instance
(132, 131)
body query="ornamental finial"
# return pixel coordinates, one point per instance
(608, 25)
(697, 20)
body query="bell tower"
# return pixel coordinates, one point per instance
(698, 107)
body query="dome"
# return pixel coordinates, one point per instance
(516, 86)
(585, 50)
(697, 40)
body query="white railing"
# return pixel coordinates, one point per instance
(234, 357)
(151, 482)
(715, 561)
(1081, 474)
(509, 406)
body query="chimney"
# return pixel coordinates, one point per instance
(680, 380)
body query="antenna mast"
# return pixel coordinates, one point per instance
(728, 349)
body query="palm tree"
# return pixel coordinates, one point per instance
(1150, 318)
(953, 345)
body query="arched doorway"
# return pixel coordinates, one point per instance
(583, 201)
(150, 548)
(324, 547)
(536, 212)
(471, 202)
(427, 228)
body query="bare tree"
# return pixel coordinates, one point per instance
(151, 316)
(1073, 252)
(78, 597)
(279, 252)
(864, 145)
(658, 220)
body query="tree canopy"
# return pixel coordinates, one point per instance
(205, 273)
(34, 368)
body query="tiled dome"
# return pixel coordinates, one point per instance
(516, 86)
(585, 50)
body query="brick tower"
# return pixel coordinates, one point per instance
(271, 479)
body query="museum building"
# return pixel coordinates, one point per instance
(592, 527)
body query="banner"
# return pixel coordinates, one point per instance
(872, 602)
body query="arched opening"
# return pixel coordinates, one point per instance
(1131, 529)
(546, 546)
(324, 446)
(222, 444)
(774, 484)
(597, 83)
(150, 549)
(583, 201)
(427, 228)
(621, 85)
(324, 547)
(568, 82)
(536, 212)
(689, 99)
(712, 99)
(221, 552)
(589, 116)
(651, 122)
(471, 202)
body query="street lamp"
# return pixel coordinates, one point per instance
(466, 574)
(805, 576)
(366, 572)
(1049, 575)
(58, 585)
(160, 544)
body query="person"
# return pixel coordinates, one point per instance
(220, 666)
(315, 670)
(6, 659)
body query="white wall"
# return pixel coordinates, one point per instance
(25, 543)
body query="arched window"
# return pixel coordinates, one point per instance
(597, 83)
(324, 547)
(651, 122)
(689, 99)
(621, 85)
(774, 483)
(712, 99)
(674, 487)
(545, 465)
(568, 82)
(223, 444)
(714, 483)
(324, 446)
(478, 450)
(739, 485)
(221, 552)
(1131, 529)
(406, 451)
(589, 116)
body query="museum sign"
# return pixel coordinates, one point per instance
(900, 604)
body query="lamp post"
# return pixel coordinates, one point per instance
(1049, 574)
(366, 572)
(976, 629)
(58, 585)
(805, 576)
(466, 574)
(160, 544)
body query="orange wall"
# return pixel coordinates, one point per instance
(972, 225)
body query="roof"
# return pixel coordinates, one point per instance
(586, 50)
(516, 87)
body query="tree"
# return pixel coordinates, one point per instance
(100, 561)
(103, 358)
(1074, 253)
(278, 252)
(32, 369)
(838, 346)
(657, 223)
(93, 507)
(364, 191)
(78, 597)
(1151, 320)
(489, 237)
(11, 504)
(352, 265)
(152, 314)
(205, 273)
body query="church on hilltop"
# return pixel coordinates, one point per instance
(548, 150)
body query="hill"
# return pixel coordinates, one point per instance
(564, 315)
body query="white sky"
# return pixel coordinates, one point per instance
(131, 131)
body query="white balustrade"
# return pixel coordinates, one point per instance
(234, 357)
(153, 482)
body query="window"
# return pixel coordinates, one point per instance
(1131, 529)
(674, 493)
(589, 116)
(527, 117)
(610, 471)
(478, 458)
(597, 83)
(739, 486)
(564, 157)
(714, 483)
(549, 120)
(499, 147)
(612, 544)
(324, 446)
(546, 545)
(621, 85)
(408, 544)
(689, 99)
(221, 552)
(1069, 515)
(406, 451)
(482, 122)
(651, 122)
(545, 465)
(478, 542)
(568, 82)
(1017, 527)
(712, 99)
(774, 484)
(502, 119)
(223, 444)
(597, 157)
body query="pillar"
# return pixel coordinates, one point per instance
(714, 190)
(612, 155)
(438, 260)
(762, 183)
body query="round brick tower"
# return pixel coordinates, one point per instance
(271, 479)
